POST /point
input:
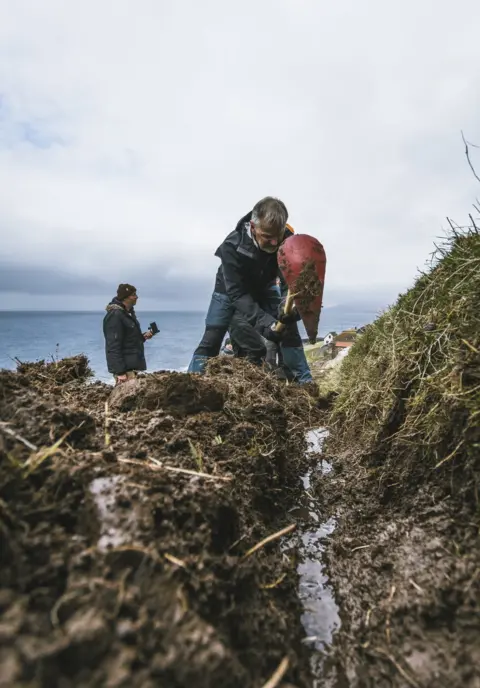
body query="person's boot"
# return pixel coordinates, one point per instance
(280, 373)
(197, 364)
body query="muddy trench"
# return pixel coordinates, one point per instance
(404, 568)
(199, 532)
(135, 532)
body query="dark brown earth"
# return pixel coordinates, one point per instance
(406, 570)
(308, 285)
(309, 290)
(118, 570)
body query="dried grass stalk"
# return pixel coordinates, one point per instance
(410, 386)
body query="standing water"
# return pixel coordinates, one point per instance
(320, 618)
(117, 525)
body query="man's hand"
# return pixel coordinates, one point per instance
(272, 335)
(121, 378)
(147, 335)
(287, 318)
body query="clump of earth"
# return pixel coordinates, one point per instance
(127, 523)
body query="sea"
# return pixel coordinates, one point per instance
(50, 335)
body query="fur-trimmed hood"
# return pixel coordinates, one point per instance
(115, 305)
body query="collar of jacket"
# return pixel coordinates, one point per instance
(117, 305)
(248, 229)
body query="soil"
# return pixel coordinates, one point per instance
(309, 288)
(406, 573)
(126, 526)
(308, 285)
(126, 519)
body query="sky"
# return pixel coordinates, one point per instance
(134, 135)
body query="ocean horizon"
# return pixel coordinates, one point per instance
(32, 335)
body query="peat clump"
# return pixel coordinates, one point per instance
(128, 530)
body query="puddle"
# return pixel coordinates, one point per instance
(320, 618)
(119, 523)
(116, 522)
(315, 440)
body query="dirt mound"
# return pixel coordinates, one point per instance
(181, 394)
(250, 389)
(127, 537)
(58, 372)
(405, 434)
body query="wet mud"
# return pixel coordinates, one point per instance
(321, 614)
(132, 542)
(405, 573)
(128, 526)
(309, 290)
(308, 285)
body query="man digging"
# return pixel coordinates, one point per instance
(246, 300)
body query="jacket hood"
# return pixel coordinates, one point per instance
(115, 305)
(241, 223)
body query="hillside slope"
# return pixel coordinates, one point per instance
(405, 443)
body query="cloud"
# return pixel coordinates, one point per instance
(159, 288)
(132, 141)
(34, 287)
(36, 279)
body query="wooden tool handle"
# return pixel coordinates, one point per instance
(287, 309)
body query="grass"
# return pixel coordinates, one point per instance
(197, 455)
(327, 379)
(410, 386)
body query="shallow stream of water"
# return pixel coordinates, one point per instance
(320, 618)
(115, 523)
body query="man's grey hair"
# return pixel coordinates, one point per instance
(270, 213)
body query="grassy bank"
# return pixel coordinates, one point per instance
(410, 388)
(405, 446)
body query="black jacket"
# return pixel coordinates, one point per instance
(246, 272)
(124, 343)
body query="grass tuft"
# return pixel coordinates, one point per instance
(410, 386)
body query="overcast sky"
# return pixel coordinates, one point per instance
(134, 135)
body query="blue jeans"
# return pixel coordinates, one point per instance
(217, 322)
